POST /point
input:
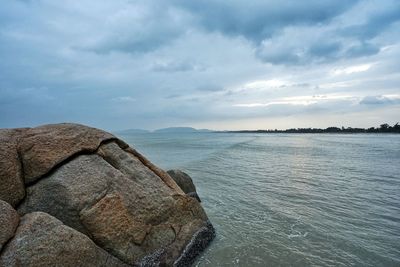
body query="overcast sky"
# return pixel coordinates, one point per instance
(208, 64)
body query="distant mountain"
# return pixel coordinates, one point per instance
(181, 130)
(132, 131)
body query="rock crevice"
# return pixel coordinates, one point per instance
(64, 161)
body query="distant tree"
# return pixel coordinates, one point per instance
(384, 127)
(396, 128)
(332, 129)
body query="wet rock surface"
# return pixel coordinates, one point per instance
(79, 187)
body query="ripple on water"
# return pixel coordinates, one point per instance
(292, 200)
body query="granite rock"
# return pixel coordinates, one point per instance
(96, 191)
(43, 148)
(12, 189)
(9, 220)
(185, 182)
(42, 240)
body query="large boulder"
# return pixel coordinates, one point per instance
(42, 240)
(98, 186)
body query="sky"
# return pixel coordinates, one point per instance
(214, 64)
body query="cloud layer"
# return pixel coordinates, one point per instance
(218, 64)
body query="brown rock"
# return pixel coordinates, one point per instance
(128, 211)
(9, 220)
(42, 148)
(105, 190)
(160, 173)
(42, 240)
(133, 164)
(122, 204)
(115, 229)
(183, 180)
(12, 187)
(74, 186)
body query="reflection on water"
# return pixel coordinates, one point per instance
(291, 200)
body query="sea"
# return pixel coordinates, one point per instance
(290, 199)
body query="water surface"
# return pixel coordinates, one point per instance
(291, 199)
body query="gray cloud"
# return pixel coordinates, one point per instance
(261, 19)
(173, 66)
(149, 64)
(375, 24)
(284, 50)
(380, 100)
(140, 26)
(172, 96)
(325, 49)
(363, 49)
(278, 56)
(209, 87)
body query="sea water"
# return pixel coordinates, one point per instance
(290, 199)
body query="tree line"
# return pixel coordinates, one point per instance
(383, 128)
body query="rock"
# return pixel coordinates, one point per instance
(200, 241)
(129, 212)
(9, 220)
(185, 182)
(42, 240)
(131, 161)
(111, 225)
(74, 186)
(101, 188)
(43, 148)
(161, 173)
(12, 188)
